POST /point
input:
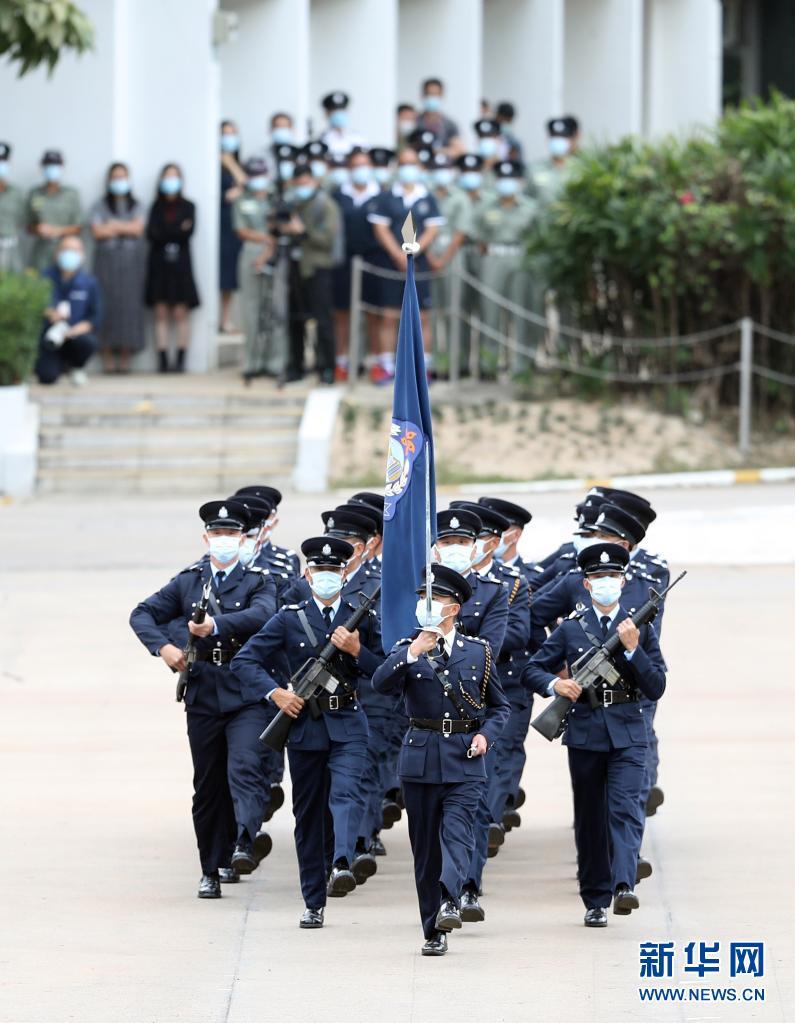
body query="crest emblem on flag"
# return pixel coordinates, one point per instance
(405, 444)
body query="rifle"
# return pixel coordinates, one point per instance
(199, 614)
(314, 675)
(596, 666)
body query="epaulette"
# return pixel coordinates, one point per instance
(536, 568)
(490, 578)
(568, 555)
(294, 607)
(405, 642)
(573, 571)
(578, 612)
(197, 567)
(477, 639)
(509, 570)
(254, 568)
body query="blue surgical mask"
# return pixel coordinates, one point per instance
(487, 147)
(470, 181)
(409, 173)
(171, 185)
(69, 260)
(606, 590)
(383, 175)
(559, 146)
(230, 143)
(5, 169)
(499, 550)
(53, 172)
(362, 175)
(248, 550)
(338, 118)
(303, 192)
(282, 136)
(434, 620)
(258, 183)
(505, 128)
(405, 128)
(433, 104)
(119, 186)
(508, 186)
(319, 168)
(224, 549)
(581, 542)
(443, 177)
(325, 584)
(457, 556)
(339, 176)
(286, 168)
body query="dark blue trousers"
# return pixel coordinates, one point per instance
(441, 830)
(379, 774)
(229, 793)
(608, 824)
(505, 773)
(326, 781)
(652, 753)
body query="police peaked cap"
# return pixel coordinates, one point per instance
(228, 514)
(259, 510)
(486, 126)
(5, 150)
(446, 582)
(588, 507)
(368, 497)
(262, 490)
(285, 151)
(52, 156)
(491, 520)
(563, 127)
(634, 504)
(326, 550)
(315, 150)
(509, 169)
(255, 166)
(343, 523)
(469, 162)
(617, 520)
(603, 557)
(381, 156)
(515, 513)
(335, 101)
(458, 522)
(440, 160)
(421, 138)
(366, 511)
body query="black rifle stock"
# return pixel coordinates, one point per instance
(596, 666)
(314, 675)
(198, 616)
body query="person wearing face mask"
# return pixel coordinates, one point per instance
(387, 217)
(170, 287)
(446, 136)
(316, 154)
(224, 714)
(457, 710)
(117, 226)
(338, 136)
(508, 145)
(53, 212)
(327, 747)
(233, 184)
(406, 124)
(470, 183)
(607, 744)
(547, 177)
(507, 551)
(284, 559)
(72, 317)
(554, 567)
(382, 160)
(12, 215)
(503, 225)
(356, 198)
(487, 131)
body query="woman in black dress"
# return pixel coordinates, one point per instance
(233, 183)
(170, 287)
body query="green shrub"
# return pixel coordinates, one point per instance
(23, 298)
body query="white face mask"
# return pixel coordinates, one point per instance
(325, 585)
(607, 590)
(225, 549)
(248, 550)
(480, 550)
(437, 613)
(457, 556)
(581, 542)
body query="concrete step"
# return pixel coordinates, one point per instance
(187, 419)
(56, 462)
(203, 481)
(200, 437)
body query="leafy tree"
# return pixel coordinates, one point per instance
(35, 32)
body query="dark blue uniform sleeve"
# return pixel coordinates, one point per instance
(151, 617)
(390, 676)
(249, 662)
(517, 630)
(498, 710)
(370, 656)
(647, 664)
(495, 620)
(546, 662)
(555, 602)
(239, 625)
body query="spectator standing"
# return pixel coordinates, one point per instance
(406, 123)
(445, 131)
(170, 287)
(68, 336)
(233, 184)
(338, 136)
(53, 211)
(117, 226)
(12, 215)
(509, 146)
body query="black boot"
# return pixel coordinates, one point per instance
(162, 362)
(180, 367)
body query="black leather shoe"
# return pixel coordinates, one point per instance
(262, 846)
(228, 875)
(390, 813)
(243, 859)
(596, 917)
(363, 866)
(276, 801)
(435, 946)
(340, 882)
(209, 887)
(519, 799)
(311, 918)
(448, 918)
(471, 910)
(644, 870)
(377, 847)
(625, 901)
(511, 819)
(654, 800)
(496, 835)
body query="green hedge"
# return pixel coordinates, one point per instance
(23, 298)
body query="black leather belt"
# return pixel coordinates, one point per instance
(447, 726)
(608, 697)
(333, 701)
(216, 655)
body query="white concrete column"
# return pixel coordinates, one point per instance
(442, 39)
(604, 67)
(684, 61)
(523, 62)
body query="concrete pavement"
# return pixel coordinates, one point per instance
(99, 916)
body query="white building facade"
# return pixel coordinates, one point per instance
(164, 73)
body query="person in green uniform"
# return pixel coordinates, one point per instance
(12, 215)
(53, 211)
(502, 228)
(547, 177)
(471, 183)
(250, 221)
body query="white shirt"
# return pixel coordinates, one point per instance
(340, 141)
(322, 607)
(449, 639)
(599, 614)
(361, 195)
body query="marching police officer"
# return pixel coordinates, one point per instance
(606, 744)
(225, 715)
(327, 746)
(507, 551)
(456, 710)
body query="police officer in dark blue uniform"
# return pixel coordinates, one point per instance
(327, 746)
(283, 563)
(507, 551)
(606, 745)
(225, 715)
(456, 710)
(564, 559)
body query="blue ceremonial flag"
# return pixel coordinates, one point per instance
(410, 492)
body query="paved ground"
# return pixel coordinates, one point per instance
(99, 916)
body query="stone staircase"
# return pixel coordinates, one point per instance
(166, 434)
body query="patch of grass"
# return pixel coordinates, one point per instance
(376, 418)
(349, 413)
